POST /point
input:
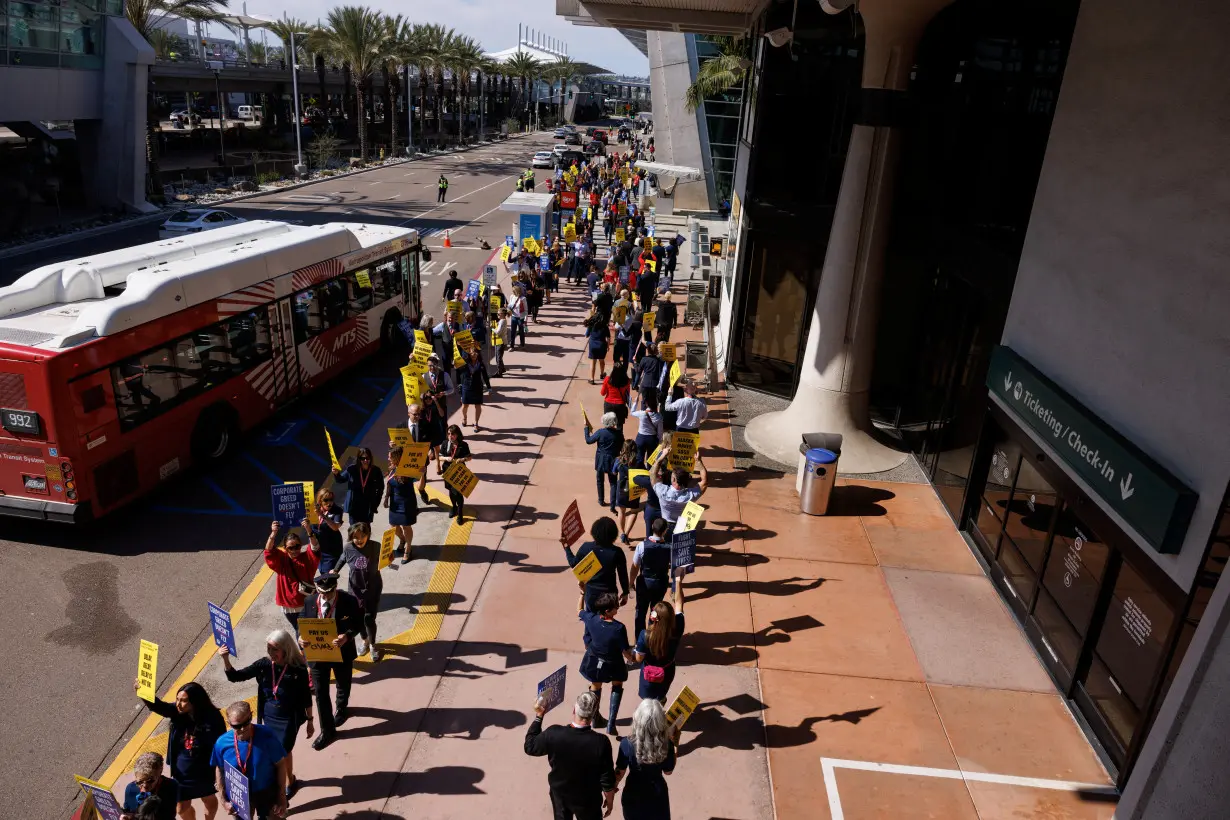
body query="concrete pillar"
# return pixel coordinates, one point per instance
(835, 376)
(120, 143)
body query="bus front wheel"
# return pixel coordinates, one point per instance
(216, 433)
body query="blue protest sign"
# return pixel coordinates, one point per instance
(551, 688)
(683, 551)
(224, 632)
(407, 330)
(289, 505)
(544, 262)
(236, 783)
(623, 274)
(107, 806)
(472, 289)
(650, 229)
(509, 241)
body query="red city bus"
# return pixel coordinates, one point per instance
(119, 371)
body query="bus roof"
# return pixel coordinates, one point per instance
(68, 303)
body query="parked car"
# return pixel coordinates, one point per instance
(560, 133)
(195, 220)
(543, 159)
(561, 148)
(571, 129)
(572, 139)
(595, 148)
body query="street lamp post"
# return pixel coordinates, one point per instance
(294, 82)
(409, 115)
(216, 67)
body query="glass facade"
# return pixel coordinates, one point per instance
(722, 113)
(54, 33)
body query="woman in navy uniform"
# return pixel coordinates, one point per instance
(402, 504)
(366, 484)
(607, 653)
(645, 756)
(195, 725)
(657, 646)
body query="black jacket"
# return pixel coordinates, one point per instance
(668, 315)
(203, 735)
(581, 764)
(648, 372)
(347, 614)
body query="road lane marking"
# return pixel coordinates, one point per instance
(443, 204)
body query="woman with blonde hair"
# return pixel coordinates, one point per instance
(646, 756)
(283, 691)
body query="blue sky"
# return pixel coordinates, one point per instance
(492, 22)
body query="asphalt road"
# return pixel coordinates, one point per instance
(79, 599)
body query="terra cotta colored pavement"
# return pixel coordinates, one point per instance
(819, 647)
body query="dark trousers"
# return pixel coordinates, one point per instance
(649, 591)
(456, 499)
(319, 671)
(650, 514)
(563, 808)
(293, 617)
(440, 195)
(603, 480)
(263, 803)
(369, 626)
(518, 328)
(664, 334)
(645, 445)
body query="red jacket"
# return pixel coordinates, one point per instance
(290, 573)
(614, 395)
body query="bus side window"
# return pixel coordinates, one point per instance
(248, 338)
(360, 297)
(142, 384)
(385, 281)
(309, 315)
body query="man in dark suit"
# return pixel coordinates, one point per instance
(582, 777)
(667, 318)
(330, 602)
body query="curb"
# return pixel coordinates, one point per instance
(145, 219)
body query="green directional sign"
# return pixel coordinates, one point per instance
(1155, 503)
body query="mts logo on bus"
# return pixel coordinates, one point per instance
(349, 337)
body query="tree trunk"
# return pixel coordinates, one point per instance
(349, 108)
(361, 119)
(440, 103)
(423, 104)
(390, 105)
(320, 77)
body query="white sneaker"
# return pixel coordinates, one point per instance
(362, 646)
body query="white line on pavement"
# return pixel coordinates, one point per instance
(438, 207)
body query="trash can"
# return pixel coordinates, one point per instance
(819, 475)
(825, 441)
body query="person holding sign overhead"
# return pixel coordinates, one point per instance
(611, 559)
(645, 756)
(606, 651)
(399, 499)
(609, 441)
(331, 603)
(283, 692)
(362, 554)
(366, 484)
(582, 777)
(294, 567)
(455, 449)
(195, 725)
(255, 751)
(673, 497)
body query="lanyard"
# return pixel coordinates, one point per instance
(242, 764)
(363, 476)
(277, 682)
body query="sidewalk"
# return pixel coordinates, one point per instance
(858, 665)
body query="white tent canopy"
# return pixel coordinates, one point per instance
(680, 172)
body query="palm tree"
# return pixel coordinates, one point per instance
(721, 72)
(443, 58)
(397, 30)
(356, 36)
(465, 57)
(563, 69)
(163, 42)
(148, 15)
(417, 49)
(283, 30)
(527, 68)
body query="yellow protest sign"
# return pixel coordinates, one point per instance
(619, 234)
(465, 340)
(413, 459)
(417, 365)
(453, 306)
(587, 568)
(666, 352)
(318, 635)
(635, 490)
(399, 436)
(412, 384)
(497, 302)
(651, 265)
(458, 359)
(676, 373)
(647, 319)
(420, 338)
(684, 705)
(683, 450)
(653, 457)
(570, 232)
(621, 314)
(309, 499)
(147, 672)
(459, 477)
(623, 208)
(585, 416)
(332, 452)
(690, 517)
(364, 279)
(388, 542)
(505, 252)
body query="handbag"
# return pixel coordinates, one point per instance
(653, 674)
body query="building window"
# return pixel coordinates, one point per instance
(33, 26)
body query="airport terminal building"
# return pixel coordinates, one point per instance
(985, 240)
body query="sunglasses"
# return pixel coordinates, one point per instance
(239, 727)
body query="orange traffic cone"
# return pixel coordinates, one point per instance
(448, 243)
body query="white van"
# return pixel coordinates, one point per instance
(247, 112)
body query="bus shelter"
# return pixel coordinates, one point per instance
(532, 215)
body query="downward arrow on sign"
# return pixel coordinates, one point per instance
(1008, 381)
(1125, 487)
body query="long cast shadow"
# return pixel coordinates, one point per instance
(357, 788)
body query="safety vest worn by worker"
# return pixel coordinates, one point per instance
(443, 184)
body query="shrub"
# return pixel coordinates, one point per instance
(269, 177)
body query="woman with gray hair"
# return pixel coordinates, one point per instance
(646, 756)
(610, 441)
(283, 692)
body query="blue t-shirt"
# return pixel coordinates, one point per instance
(168, 796)
(605, 639)
(262, 766)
